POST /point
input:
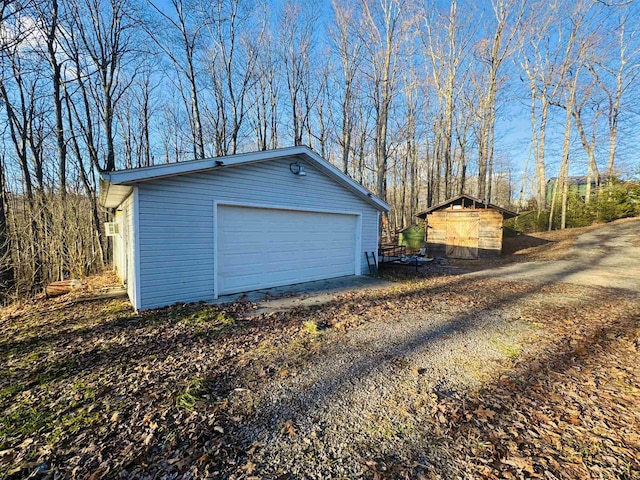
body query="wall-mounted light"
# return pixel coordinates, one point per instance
(297, 169)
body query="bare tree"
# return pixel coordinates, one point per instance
(446, 38)
(49, 20)
(188, 31)
(492, 53)
(623, 71)
(576, 47)
(265, 93)
(348, 47)
(296, 39)
(539, 60)
(105, 32)
(232, 62)
(135, 118)
(22, 99)
(7, 270)
(382, 33)
(589, 142)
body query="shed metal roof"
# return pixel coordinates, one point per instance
(116, 186)
(478, 203)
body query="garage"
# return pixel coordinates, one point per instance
(202, 229)
(305, 246)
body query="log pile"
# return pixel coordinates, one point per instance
(55, 289)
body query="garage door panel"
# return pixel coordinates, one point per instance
(260, 248)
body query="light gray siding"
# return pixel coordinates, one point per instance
(130, 247)
(176, 221)
(124, 246)
(119, 264)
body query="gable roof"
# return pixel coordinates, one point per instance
(116, 186)
(477, 203)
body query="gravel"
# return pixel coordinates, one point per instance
(606, 257)
(371, 392)
(361, 399)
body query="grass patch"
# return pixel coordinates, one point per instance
(29, 417)
(9, 392)
(195, 392)
(311, 327)
(209, 318)
(24, 420)
(72, 423)
(82, 393)
(117, 306)
(509, 350)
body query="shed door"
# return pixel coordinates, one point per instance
(260, 248)
(462, 234)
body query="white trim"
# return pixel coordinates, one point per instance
(123, 178)
(377, 236)
(268, 206)
(341, 177)
(358, 247)
(137, 304)
(215, 249)
(229, 203)
(142, 174)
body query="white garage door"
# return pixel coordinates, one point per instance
(260, 248)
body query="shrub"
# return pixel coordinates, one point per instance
(610, 202)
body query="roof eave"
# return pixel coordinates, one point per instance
(338, 175)
(112, 195)
(505, 213)
(111, 198)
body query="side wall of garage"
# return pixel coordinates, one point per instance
(124, 246)
(176, 221)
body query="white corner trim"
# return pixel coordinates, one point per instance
(215, 249)
(358, 245)
(377, 236)
(136, 248)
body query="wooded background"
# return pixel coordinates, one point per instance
(417, 100)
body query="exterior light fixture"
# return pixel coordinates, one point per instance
(297, 169)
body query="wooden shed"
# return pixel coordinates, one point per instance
(465, 227)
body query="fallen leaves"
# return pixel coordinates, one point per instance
(94, 390)
(484, 414)
(572, 411)
(288, 428)
(521, 464)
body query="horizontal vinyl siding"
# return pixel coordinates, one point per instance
(118, 249)
(129, 245)
(176, 221)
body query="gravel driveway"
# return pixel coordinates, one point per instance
(367, 394)
(606, 257)
(335, 403)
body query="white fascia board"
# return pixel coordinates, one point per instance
(137, 175)
(341, 177)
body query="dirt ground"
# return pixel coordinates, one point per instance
(553, 245)
(608, 257)
(437, 376)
